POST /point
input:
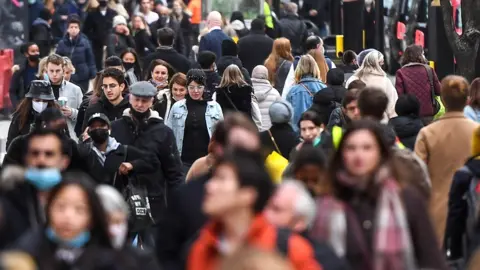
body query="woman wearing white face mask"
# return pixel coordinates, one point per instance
(36, 101)
(117, 210)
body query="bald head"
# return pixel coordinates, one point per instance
(292, 8)
(214, 19)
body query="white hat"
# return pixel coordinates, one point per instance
(119, 19)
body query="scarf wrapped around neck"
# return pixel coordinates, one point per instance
(392, 245)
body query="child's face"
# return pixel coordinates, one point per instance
(311, 175)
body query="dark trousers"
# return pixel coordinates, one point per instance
(98, 55)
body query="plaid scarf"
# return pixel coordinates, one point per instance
(392, 248)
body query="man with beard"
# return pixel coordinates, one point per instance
(25, 189)
(144, 128)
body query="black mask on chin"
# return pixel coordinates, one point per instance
(139, 115)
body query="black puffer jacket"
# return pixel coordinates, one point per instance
(228, 60)
(324, 103)
(335, 79)
(235, 98)
(152, 135)
(294, 29)
(407, 129)
(104, 106)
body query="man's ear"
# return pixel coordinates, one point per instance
(65, 162)
(122, 86)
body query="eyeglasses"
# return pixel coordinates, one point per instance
(109, 86)
(193, 87)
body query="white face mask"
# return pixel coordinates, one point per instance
(118, 235)
(39, 106)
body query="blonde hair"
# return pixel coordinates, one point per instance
(282, 49)
(42, 67)
(251, 258)
(306, 66)
(232, 75)
(321, 63)
(371, 64)
(69, 64)
(147, 29)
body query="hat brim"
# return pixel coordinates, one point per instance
(42, 96)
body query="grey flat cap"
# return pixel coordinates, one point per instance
(143, 89)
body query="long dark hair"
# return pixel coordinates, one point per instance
(158, 62)
(98, 222)
(24, 111)
(136, 66)
(337, 164)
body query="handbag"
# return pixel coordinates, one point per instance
(136, 196)
(275, 163)
(435, 103)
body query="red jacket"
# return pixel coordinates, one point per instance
(414, 80)
(204, 254)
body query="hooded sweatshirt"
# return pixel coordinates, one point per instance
(265, 93)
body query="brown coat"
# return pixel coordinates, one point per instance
(444, 145)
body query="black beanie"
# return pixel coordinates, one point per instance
(196, 75)
(229, 48)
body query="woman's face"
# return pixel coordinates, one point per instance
(67, 74)
(128, 58)
(178, 91)
(361, 153)
(309, 131)
(195, 90)
(138, 23)
(160, 73)
(70, 212)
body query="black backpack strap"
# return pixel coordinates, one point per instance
(282, 241)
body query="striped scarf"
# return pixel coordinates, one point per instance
(392, 248)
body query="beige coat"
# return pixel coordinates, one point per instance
(444, 145)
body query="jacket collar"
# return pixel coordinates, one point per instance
(211, 233)
(153, 114)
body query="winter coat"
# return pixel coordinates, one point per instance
(252, 58)
(167, 21)
(164, 103)
(322, 7)
(295, 30)
(178, 115)
(81, 113)
(458, 210)
(282, 69)
(407, 129)
(14, 130)
(98, 27)
(41, 34)
(413, 79)
(143, 43)
(337, 118)
(93, 256)
(183, 221)
(152, 135)
(213, 42)
(74, 97)
(18, 89)
(213, 80)
(301, 98)
(324, 103)
(104, 106)
(118, 43)
(285, 137)
(471, 113)
(178, 61)
(380, 81)
(81, 54)
(266, 95)
(335, 80)
(228, 60)
(444, 145)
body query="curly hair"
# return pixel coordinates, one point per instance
(413, 54)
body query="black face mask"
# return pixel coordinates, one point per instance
(139, 115)
(35, 58)
(128, 66)
(99, 135)
(103, 3)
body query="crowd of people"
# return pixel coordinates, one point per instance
(132, 147)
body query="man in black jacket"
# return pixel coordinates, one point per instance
(206, 60)
(185, 217)
(111, 103)
(27, 72)
(256, 39)
(144, 128)
(168, 21)
(41, 32)
(294, 29)
(98, 25)
(317, 11)
(167, 53)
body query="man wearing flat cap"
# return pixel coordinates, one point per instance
(144, 128)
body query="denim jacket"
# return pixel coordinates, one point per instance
(301, 98)
(178, 116)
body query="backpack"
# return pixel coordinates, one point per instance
(324, 254)
(472, 197)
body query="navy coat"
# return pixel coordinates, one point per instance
(81, 54)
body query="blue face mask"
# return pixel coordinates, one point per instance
(43, 179)
(77, 242)
(45, 77)
(317, 141)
